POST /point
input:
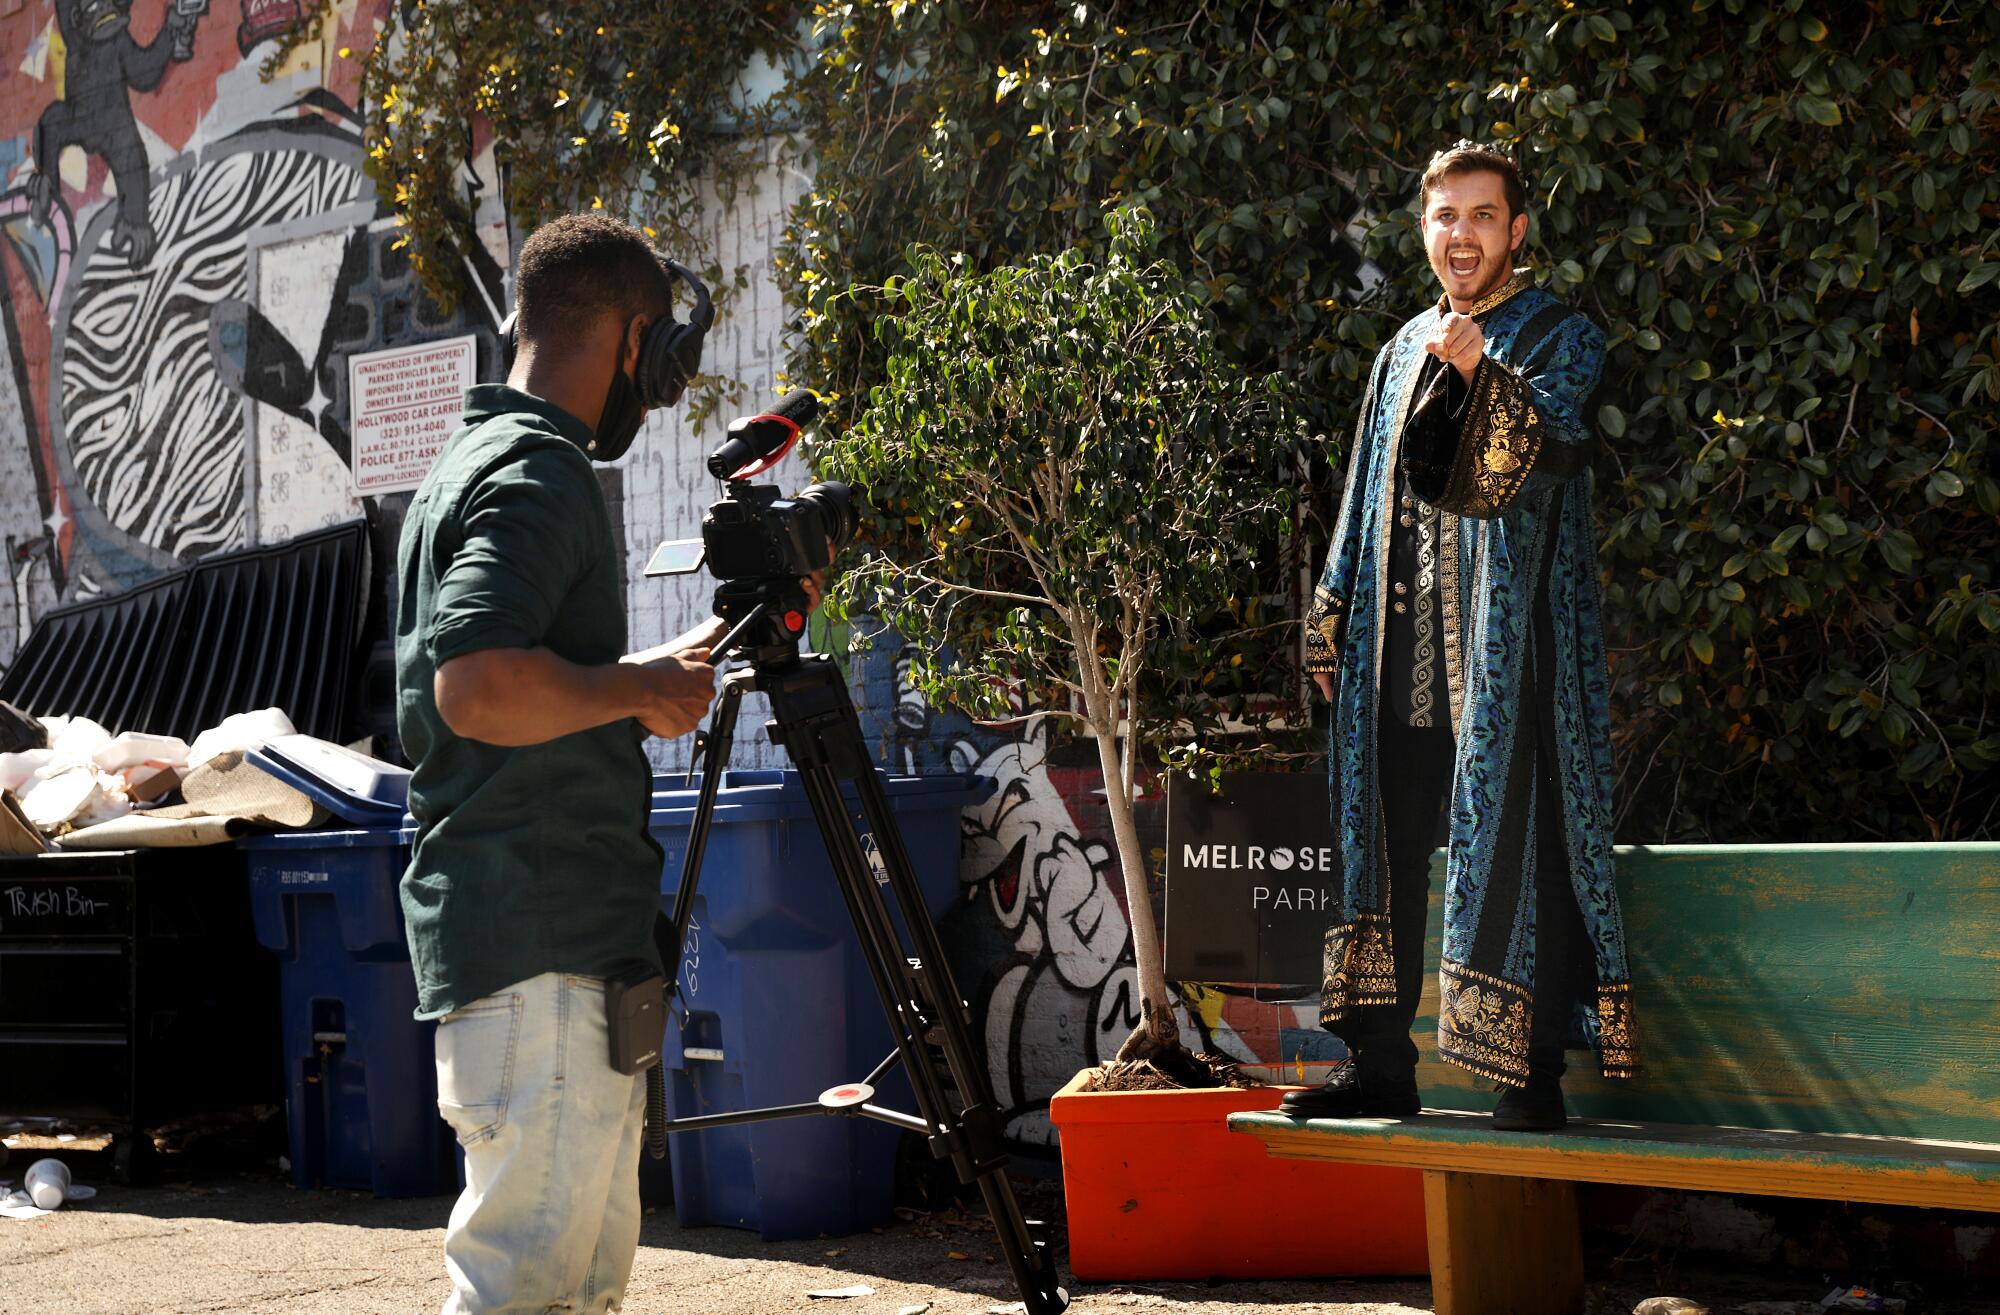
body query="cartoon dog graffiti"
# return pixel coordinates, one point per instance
(1066, 995)
(103, 65)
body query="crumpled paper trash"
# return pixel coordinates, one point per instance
(244, 730)
(75, 796)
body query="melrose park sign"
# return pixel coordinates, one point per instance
(1253, 878)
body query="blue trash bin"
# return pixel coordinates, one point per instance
(776, 1005)
(361, 1077)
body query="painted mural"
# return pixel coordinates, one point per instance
(188, 253)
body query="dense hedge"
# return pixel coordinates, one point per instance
(1785, 218)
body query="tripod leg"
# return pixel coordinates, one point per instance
(672, 937)
(930, 1019)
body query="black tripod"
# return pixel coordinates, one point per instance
(813, 718)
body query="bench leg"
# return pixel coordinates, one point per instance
(1503, 1246)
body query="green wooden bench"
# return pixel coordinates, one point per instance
(1816, 1021)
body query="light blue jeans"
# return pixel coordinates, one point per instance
(549, 1219)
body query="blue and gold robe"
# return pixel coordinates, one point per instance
(1523, 636)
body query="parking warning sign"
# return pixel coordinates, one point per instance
(403, 404)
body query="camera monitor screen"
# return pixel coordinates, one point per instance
(676, 557)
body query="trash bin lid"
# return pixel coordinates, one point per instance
(779, 794)
(350, 808)
(361, 838)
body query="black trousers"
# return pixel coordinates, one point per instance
(1416, 768)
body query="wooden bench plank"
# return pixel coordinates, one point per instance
(1819, 1166)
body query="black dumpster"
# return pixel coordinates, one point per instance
(133, 991)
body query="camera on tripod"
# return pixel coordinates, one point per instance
(759, 544)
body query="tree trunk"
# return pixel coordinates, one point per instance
(1156, 1006)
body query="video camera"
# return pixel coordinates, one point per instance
(758, 543)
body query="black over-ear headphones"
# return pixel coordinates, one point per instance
(669, 352)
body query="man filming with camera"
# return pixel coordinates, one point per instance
(534, 878)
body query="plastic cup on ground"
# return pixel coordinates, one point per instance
(47, 1183)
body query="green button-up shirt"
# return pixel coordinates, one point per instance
(534, 859)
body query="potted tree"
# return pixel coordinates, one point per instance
(1069, 481)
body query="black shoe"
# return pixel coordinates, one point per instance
(1537, 1107)
(1352, 1094)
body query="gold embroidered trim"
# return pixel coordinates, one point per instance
(1323, 626)
(1424, 621)
(1358, 968)
(1454, 657)
(1518, 282)
(1617, 1038)
(1501, 440)
(1483, 1024)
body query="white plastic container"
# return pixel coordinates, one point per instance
(136, 749)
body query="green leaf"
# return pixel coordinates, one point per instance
(1735, 564)
(1702, 647)
(1947, 484)
(1612, 421)
(1648, 339)
(1818, 109)
(1600, 28)
(1979, 276)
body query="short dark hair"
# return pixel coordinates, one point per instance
(1464, 156)
(578, 267)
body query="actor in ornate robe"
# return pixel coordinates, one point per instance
(1476, 495)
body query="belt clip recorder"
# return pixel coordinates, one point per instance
(760, 546)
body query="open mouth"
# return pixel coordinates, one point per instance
(1006, 874)
(1463, 264)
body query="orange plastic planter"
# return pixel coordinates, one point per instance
(1158, 1187)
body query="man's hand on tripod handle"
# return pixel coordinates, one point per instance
(677, 691)
(679, 681)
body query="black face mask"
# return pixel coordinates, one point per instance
(619, 423)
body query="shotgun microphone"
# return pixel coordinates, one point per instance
(757, 443)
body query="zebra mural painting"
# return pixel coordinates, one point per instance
(144, 162)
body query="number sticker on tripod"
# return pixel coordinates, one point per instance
(691, 957)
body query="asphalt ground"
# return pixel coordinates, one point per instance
(246, 1240)
(251, 1243)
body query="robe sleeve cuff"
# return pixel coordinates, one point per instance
(1478, 465)
(1325, 624)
